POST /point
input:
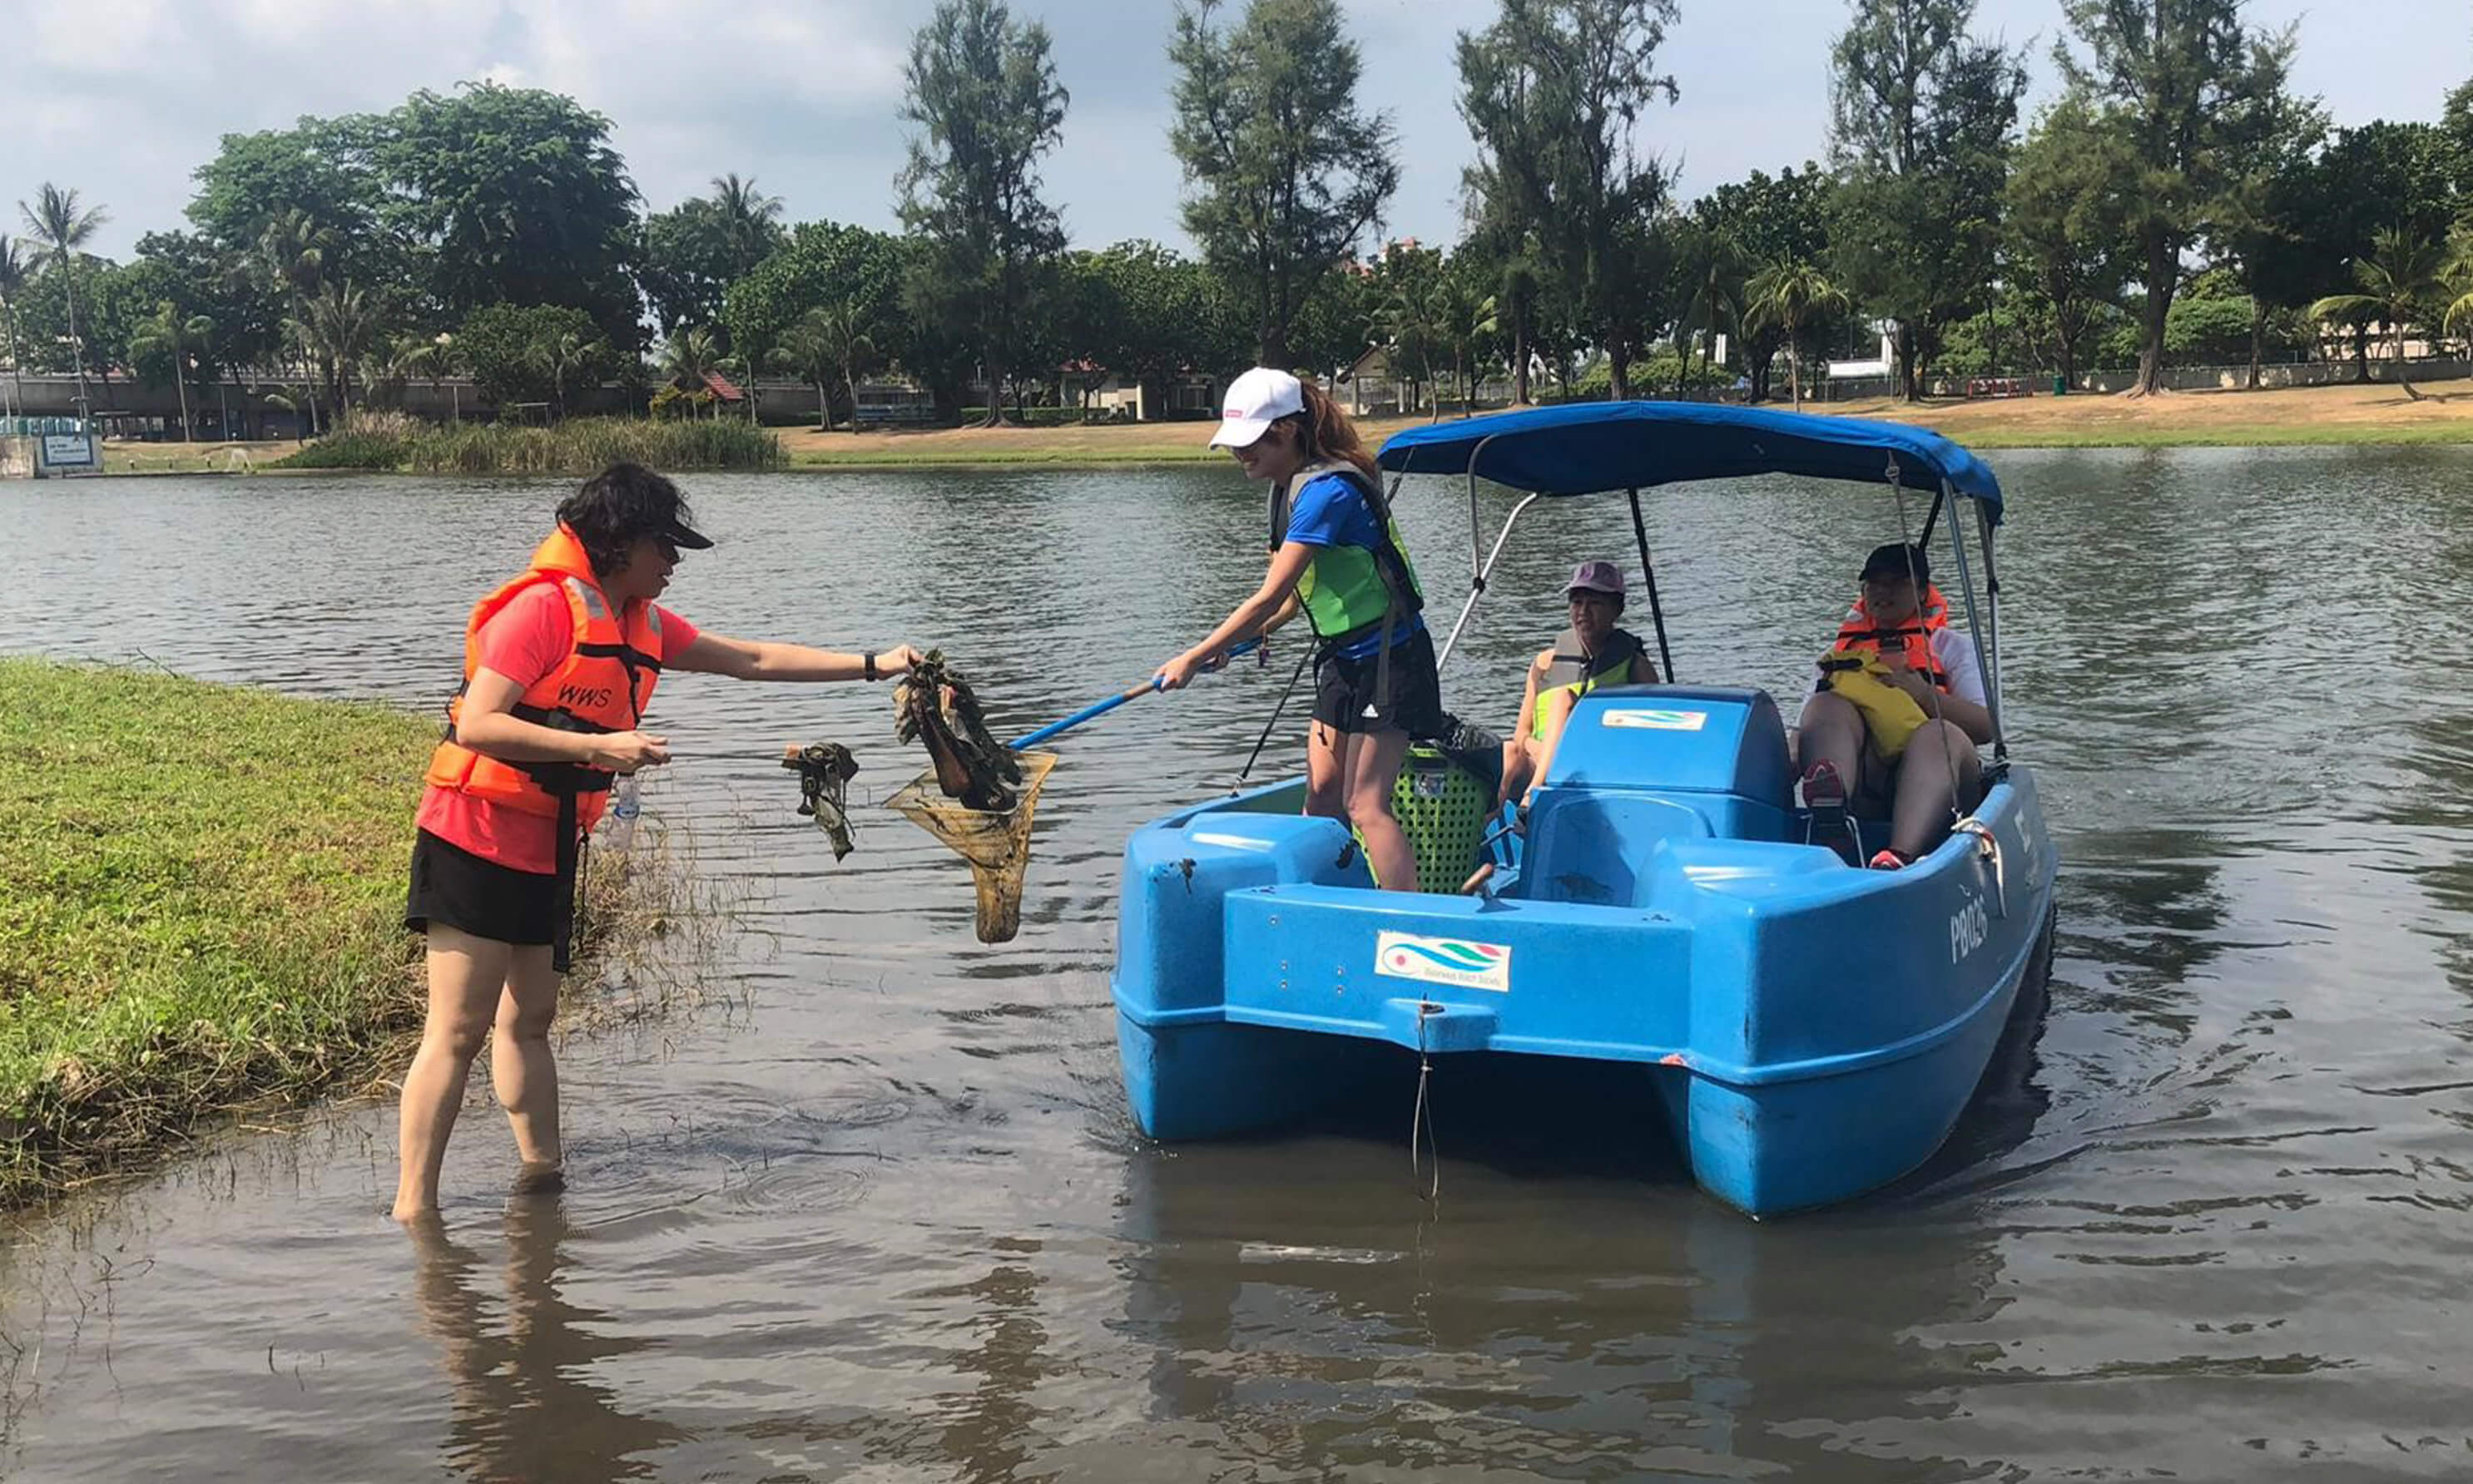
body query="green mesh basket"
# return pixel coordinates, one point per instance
(1444, 810)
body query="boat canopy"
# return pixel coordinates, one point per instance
(1587, 447)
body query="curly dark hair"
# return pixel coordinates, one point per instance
(617, 507)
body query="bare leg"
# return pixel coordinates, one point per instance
(1928, 791)
(1831, 730)
(520, 1068)
(1372, 770)
(1519, 766)
(465, 976)
(1326, 772)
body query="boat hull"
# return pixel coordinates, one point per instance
(1812, 1031)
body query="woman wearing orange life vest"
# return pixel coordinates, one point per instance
(558, 667)
(1903, 620)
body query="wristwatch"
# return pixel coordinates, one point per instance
(869, 657)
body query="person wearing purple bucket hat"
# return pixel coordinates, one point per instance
(1592, 651)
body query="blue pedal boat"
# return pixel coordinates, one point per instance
(1811, 1031)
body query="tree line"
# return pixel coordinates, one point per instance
(2177, 200)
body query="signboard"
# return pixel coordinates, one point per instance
(69, 451)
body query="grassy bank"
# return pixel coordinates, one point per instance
(201, 900)
(579, 445)
(2295, 415)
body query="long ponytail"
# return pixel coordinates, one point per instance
(1325, 433)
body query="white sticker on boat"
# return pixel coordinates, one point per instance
(1453, 961)
(1653, 718)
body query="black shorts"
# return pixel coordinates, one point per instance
(455, 887)
(1344, 689)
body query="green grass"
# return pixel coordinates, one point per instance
(579, 445)
(200, 899)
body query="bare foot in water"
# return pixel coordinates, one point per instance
(544, 1179)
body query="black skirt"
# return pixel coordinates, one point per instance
(455, 887)
(1346, 690)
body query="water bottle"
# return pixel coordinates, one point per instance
(626, 802)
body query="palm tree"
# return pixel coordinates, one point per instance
(559, 357)
(749, 219)
(1715, 301)
(292, 252)
(64, 229)
(2399, 276)
(829, 338)
(1787, 294)
(686, 358)
(1464, 319)
(13, 274)
(1406, 324)
(175, 336)
(340, 324)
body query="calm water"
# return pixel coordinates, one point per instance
(877, 1212)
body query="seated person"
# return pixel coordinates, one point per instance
(1591, 653)
(1894, 726)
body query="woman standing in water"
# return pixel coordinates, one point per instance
(1336, 555)
(558, 665)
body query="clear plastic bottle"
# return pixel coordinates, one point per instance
(626, 802)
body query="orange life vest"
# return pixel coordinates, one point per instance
(604, 683)
(1912, 637)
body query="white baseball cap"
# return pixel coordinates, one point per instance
(1255, 400)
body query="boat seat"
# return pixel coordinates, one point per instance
(1591, 847)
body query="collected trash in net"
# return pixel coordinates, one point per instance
(824, 770)
(995, 842)
(976, 795)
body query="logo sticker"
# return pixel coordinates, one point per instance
(1454, 961)
(1653, 718)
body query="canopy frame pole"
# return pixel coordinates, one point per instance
(1476, 584)
(1992, 632)
(1648, 575)
(1983, 650)
(1940, 498)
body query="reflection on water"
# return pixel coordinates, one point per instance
(879, 1214)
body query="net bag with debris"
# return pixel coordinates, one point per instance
(995, 842)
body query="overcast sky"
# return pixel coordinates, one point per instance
(123, 99)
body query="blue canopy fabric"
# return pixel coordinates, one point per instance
(1586, 447)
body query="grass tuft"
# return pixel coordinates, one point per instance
(201, 908)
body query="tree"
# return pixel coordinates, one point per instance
(64, 228)
(13, 274)
(1149, 313)
(687, 358)
(1284, 173)
(172, 336)
(1552, 91)
(2173, 77)
(1714, 277)
(2254, 224)
(513, 195)
(564, 355)
(693, 253)
(321, 168)
(822, 263)
(2065, 227)
(1923, 118)
(830, 339)
(340, 325)
(1770, 219)
(497, 345)
(2397, 282)
(983, 89)
(1787, 294)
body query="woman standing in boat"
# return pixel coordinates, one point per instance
(558, 665)
(1336, 556)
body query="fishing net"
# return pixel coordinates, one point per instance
(995, 842)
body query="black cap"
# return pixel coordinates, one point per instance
(680, 536)
(1892, 560)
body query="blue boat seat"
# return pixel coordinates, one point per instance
(1596, 848)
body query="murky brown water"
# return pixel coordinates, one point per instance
(878, 1212)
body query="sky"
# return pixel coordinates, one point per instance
(123, 99)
